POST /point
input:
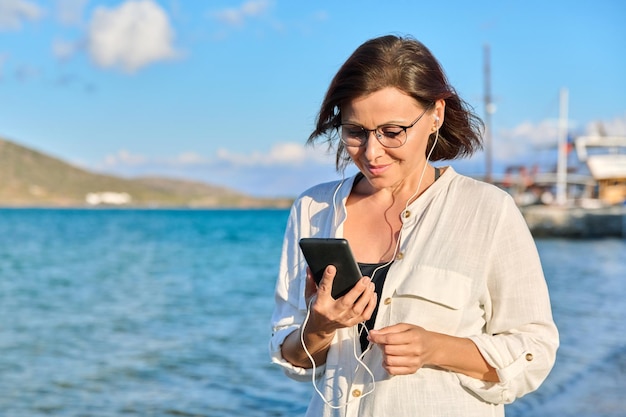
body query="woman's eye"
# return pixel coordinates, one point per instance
(355, 131)
(391, 131)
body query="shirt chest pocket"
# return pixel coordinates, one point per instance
(432, 298)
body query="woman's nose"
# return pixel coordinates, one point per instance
(372, 146)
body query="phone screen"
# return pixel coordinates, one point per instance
(321, 252)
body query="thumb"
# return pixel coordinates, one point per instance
(326, 284)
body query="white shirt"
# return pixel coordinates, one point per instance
(468, 268)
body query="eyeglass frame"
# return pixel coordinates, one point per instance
(378, 135)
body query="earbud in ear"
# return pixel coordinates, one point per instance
(436, 126)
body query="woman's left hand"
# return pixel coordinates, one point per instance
(406, 347)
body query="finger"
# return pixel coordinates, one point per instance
(389, 335)
(364, 300)
(362, 293)
(353, 296)
(402, 364)
(393, 350)
(371, 306)
(326, 283)
(410, 342)
(400, 370)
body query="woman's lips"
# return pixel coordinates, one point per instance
(377, 169)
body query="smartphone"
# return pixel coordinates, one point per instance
(321, 252)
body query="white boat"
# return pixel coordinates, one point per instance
(605, 157)
(601, 210)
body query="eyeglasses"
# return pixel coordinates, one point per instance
(389, 135)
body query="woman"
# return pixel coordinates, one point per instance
(452, 316)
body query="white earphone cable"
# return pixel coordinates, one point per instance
(406, 206)
(358, 357)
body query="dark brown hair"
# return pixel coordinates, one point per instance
(406, 64)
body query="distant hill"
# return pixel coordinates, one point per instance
(31, 178)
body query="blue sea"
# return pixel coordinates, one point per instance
(166, 313)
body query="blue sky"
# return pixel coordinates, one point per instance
(226, 92)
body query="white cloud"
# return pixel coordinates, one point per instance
(527, 138)
(286, 169)
(282, 154)
(124, 158)
(131, 36)
(614, 127)
(70, 12)
(536, 143)
(511, 143)
(64, 49)
(189, 158)
(14, 12)
(279, 154)
(544, 131)
(237, 16)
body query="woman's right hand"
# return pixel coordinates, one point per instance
(328, 314)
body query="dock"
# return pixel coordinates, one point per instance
(575, 222)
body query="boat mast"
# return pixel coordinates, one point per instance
(561, 170)
(489, 109)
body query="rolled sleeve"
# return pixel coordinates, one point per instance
(295, 372)
(522, 362)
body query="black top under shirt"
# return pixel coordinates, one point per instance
(378, 279)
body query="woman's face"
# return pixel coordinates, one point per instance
(391, 167)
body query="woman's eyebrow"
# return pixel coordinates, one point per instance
(392, 122)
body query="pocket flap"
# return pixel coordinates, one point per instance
(440, 286)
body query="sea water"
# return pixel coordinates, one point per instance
(166, 313)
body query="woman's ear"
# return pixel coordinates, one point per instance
(439, 113)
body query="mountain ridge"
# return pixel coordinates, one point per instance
(30, 178)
